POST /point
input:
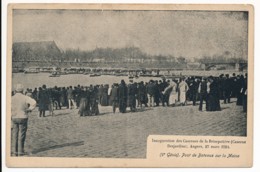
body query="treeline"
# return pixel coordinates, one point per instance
(136, 54)
(118, 54)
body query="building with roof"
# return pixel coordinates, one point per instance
(27, 54)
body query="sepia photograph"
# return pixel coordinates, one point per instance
(95, 83)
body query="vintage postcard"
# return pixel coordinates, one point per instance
(130, 85)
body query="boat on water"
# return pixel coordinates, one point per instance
(94, 75)
(31, 70)
(55, 74)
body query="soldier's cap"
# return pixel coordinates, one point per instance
(19, 88)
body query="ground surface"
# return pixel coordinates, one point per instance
(66, 134)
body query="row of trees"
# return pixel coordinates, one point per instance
(48, 51)
(130, 54)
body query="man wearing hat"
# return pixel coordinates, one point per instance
(20, 107)
(122, 96)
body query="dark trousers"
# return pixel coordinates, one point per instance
(19, 135)
(194, 98)
(157, 99)
(227, 95)
(244, 103)
(122, 105)
(115, 105)
(165, 99)
(56, 104)
(203, 97)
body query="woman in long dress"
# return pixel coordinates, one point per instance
(183, 88)
(171, 90)
(213, 97)
(84, 108)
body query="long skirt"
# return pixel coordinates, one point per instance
(84, 108)
(239, 99)
(104, 100)
(182, 97)
(173, 98)
(94, 110)
(213, 103)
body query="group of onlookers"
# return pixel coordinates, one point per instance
(171, 92)
(86, 99)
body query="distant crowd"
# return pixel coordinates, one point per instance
(173, 92)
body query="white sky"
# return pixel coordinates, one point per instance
(177, 33)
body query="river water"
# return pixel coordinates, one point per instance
(38, 79)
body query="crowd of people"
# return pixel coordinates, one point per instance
(86, 99)
(163, 92)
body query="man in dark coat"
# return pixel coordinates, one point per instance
(142, 94)
(162, 86)
(227, 89)
(100, 93)
(157, 94)
(131, 96)
(244, 93)
(194, 85)
(240, 85)
(122, 95)
(114, 96)
(104, 96)
(93, 91)
(44, 100)
(213, 98)
(56, 94)
(203, 93)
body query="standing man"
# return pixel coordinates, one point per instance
(44, 101)
(227, 89)
(151, 93)
(142, 95)
(194, 90)
(203, 88)
(114, 96)
(20, 107)
(122, 95)
(70, 97)
(131, 96)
